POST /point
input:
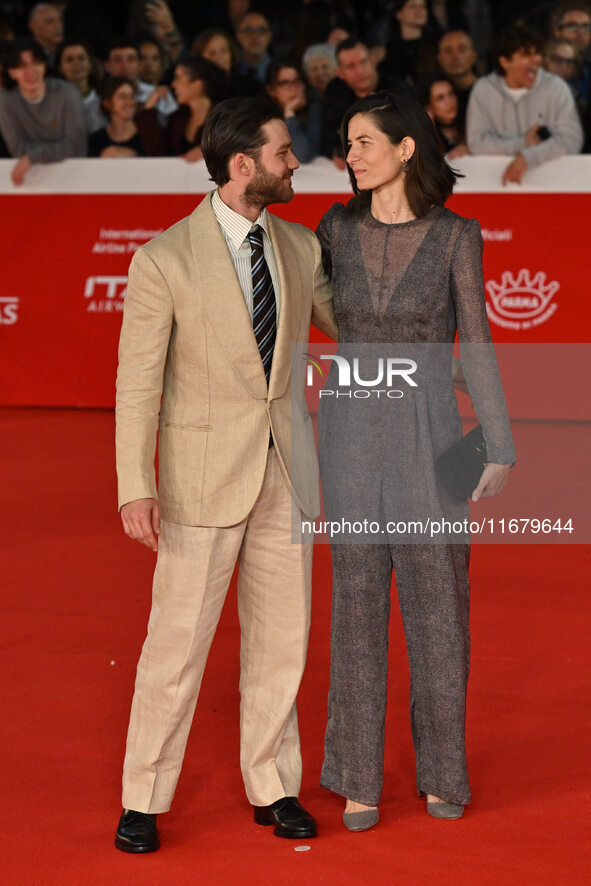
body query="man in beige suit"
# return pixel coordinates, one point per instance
(213, 307)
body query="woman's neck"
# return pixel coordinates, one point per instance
(410, 32)
(389, 204)
(120, 129)
(200, 107)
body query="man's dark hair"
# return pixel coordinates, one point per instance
(235, 126)
(428, 179)
(12, 57)
(348, 43)
(121, 43)
(455, 31)
(511, 40)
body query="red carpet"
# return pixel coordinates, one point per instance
(76, 596)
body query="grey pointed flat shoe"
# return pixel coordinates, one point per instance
(361, 821)
(441, 809)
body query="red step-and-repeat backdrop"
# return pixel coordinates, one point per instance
(66, 256)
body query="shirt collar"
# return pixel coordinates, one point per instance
(236, 226)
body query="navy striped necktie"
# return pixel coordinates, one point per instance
(264, 311)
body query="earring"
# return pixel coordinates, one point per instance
(405, 166)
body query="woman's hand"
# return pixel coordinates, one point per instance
(20, 169)
(194, 155)
(297, 103)
(458, 151)
(118, 151)
(494, 478)
(155, 96)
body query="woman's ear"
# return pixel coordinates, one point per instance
(408, 148)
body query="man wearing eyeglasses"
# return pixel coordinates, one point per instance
(572, 21)
(254, 36)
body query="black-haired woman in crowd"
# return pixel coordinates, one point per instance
(438, 96)
(406, 270)
(128, 133)
(411, 47)
(198, 84)
(217, 46)
(286, 87)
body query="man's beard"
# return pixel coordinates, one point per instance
(266, 188)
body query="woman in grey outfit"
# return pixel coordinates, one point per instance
(404, 270)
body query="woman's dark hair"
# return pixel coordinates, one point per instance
(428, 179)
(425, 85)
(213, 78)
(109, 88)
(513, 39)
(395, 30)
(203, 38)
(275, 69)
(235, 126)
(12, 57)
(93, 76)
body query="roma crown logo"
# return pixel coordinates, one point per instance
(521, 302)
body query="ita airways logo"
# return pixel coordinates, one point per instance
(8, 310)
(104, 295)
(522, 301)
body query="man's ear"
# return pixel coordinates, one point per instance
(241, 166)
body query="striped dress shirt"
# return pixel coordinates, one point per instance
(236, 228)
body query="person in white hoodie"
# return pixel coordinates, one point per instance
(520, 109)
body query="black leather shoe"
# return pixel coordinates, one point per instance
(137, 832)
(290, 819)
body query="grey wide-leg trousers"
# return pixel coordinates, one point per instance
(433, 592)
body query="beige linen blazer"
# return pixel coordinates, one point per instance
(190, 374)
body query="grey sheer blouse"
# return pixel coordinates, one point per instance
(419, 282)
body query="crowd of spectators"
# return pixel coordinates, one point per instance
(138, 78)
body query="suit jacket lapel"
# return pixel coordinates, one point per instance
(224, 300)
(290, 282)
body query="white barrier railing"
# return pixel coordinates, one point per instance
(172, 175)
